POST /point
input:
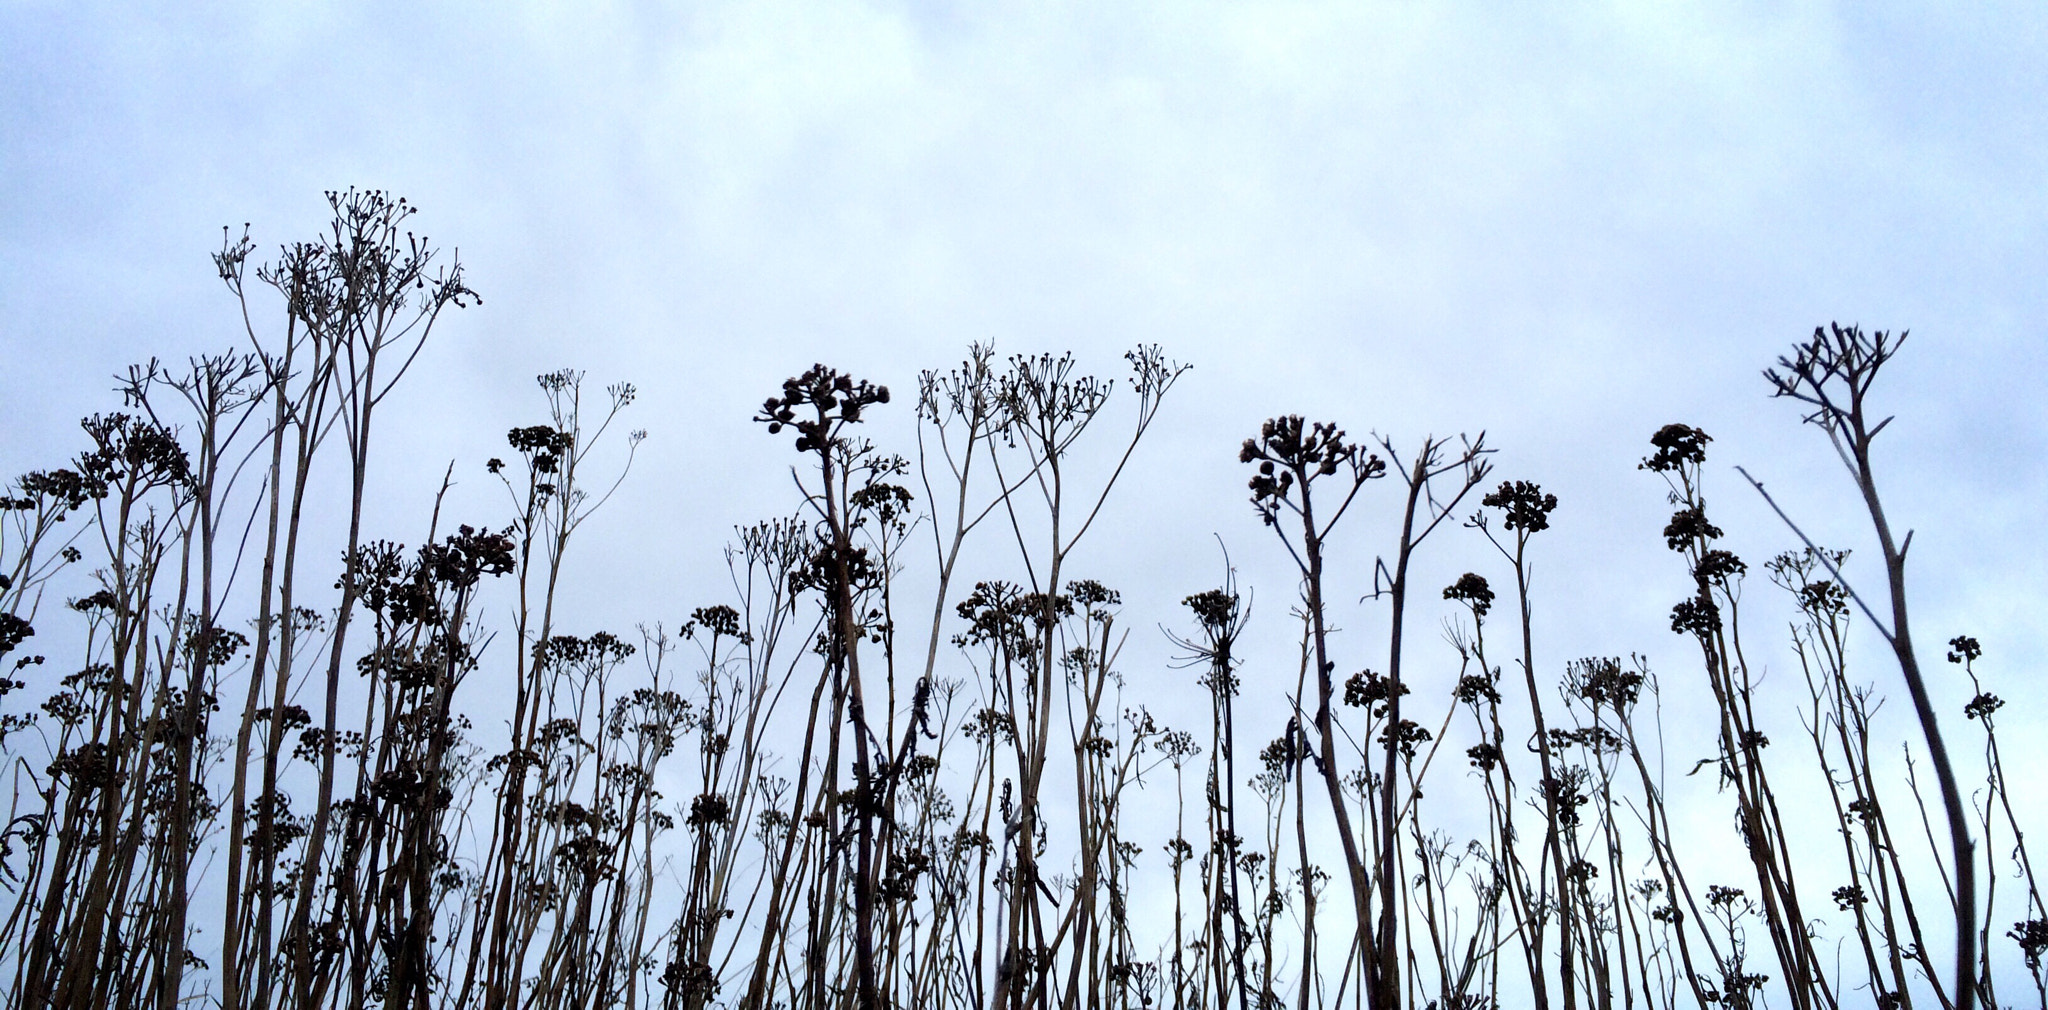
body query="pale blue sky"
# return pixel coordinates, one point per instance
(1566, 225)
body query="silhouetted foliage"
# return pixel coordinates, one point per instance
(244, 776)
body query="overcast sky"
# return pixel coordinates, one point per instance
(1565, 228)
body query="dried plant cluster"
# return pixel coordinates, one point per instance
(247, 779)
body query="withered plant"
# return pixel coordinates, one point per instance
(403, 782)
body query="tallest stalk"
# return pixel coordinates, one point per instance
(1833, 373)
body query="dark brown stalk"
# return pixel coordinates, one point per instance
(1843, 362)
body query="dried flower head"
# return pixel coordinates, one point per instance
(817, 404)
(1290, 450)
(1473, 590)
(1677, 445)
(1526, 505)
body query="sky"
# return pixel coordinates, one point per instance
(1562, 225)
